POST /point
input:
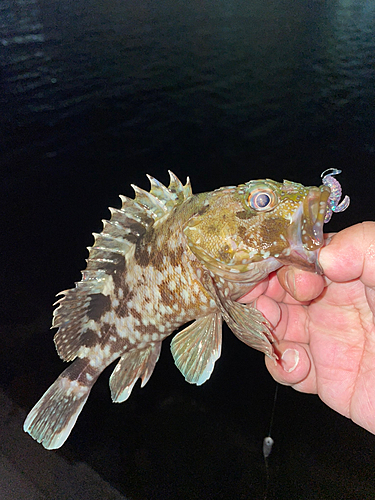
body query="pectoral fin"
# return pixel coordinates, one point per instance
(245, 321)
(196, 348)
(249, 325)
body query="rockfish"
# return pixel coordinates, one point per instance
(165, 258)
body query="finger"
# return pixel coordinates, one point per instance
(351, 255)
(301, 285)
(275, 290)
(294, 367)
(259, 289)
(269, 308)
(288, 321)
(270, 287)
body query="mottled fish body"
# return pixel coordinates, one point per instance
(165, 258)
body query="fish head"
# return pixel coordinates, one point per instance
(244, 232)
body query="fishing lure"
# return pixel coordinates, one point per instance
(333, 204)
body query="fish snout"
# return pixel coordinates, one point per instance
(305, 234)
(314, 211)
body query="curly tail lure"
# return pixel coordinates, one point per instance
(336, 192)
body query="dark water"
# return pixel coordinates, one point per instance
(96, 94)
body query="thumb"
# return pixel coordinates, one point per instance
(351, 255)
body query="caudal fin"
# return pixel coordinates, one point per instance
(53, 417)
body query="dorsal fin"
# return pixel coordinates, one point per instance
(133, 219)
(160, 200)
(81, 307)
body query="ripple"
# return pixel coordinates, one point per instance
(248, 72)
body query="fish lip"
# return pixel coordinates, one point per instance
(314, 211)
(305, 233)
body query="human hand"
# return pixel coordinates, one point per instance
(325, 327)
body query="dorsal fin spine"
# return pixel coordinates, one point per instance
(160, 191)
(150, 202)
(176, 186)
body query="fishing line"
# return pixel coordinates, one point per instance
(268, 443)
(273, 408)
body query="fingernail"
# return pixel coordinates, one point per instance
(290, 282)
(289, 360)
(328, 238)
(327, 241)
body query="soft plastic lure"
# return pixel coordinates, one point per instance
(333, 204)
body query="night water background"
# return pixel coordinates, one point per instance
(94, 95)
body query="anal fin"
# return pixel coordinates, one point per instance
(132, 366)
(196, 348)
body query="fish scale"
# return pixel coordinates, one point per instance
(168, 257)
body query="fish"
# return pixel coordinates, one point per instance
(166, 258)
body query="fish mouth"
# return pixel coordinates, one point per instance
(305, 234)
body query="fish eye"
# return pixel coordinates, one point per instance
(262, 199)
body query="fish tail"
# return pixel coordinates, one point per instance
(53, 417)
